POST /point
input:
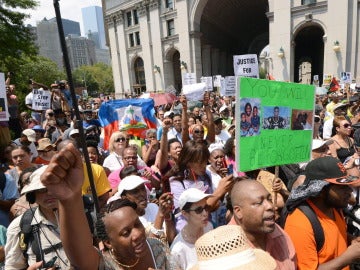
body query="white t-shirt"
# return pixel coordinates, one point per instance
(222, 137)
(184, 253)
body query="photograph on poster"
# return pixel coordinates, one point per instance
(301, 120)
(276, 117)
(250, 117)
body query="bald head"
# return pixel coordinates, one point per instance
(243, 190)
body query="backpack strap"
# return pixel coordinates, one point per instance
(29, 234)
(315, 224)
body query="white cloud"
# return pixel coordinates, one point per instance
(69, 9)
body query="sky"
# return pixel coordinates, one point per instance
(69, 9)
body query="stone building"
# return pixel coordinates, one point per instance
(154, 42)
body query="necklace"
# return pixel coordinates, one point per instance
(121, 264)
(190, 237)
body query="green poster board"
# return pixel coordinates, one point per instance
(274, 123)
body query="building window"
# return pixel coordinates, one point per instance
(170, 27)
(137, 38)
(129, 18)
(169, 4)
(307, 2)
(131, 40)
(136, 17)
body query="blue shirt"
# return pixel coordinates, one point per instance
(10, 193)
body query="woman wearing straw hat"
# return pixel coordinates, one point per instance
(192, 203)
(227, 248)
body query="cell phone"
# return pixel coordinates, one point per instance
(224, 163)
(230, 169)
(50, 263)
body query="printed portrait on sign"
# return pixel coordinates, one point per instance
(276, 117)
(250, 112)
(301, 120)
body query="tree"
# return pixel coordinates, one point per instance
(15, 38)
(97, 78)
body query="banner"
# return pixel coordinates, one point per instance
(134, 116)
(246, 65)
(194, 92)
(274, 123)
(217, 80)
(41, 99)
(4, 115)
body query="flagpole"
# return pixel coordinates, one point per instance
(75, 104)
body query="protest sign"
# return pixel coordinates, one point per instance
(327, 79)
(246, 65)
(217, 80)
(4, 115)
(194, 91)
(188, 78)
(275, 122)
(345, 77)
(230, 86)
(208, 81)
(41, 99)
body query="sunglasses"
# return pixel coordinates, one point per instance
(346, 125)
(121, 139)
(197, 131)
(131, 158)
(198, 210)
(50, 114)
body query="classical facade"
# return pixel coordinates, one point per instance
(154, 42)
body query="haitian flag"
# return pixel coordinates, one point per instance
(131, 115)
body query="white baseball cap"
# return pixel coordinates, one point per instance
(168, 113)
(316, 143)
(191, 195)
(35, 182)
(30, 134)
(223, 108)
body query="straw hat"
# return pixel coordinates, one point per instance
(44, 144)
(227, 248)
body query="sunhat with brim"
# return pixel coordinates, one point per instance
(35, 182)
(329, 169)
(227, 248)
(191, 195)
(341, 106)
(44, 143)
(30, 134)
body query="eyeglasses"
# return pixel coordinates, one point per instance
(131, 158)
(346, 125)
(121, 139)
(200, 209)
(197, 131)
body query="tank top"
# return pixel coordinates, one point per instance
(343, 152)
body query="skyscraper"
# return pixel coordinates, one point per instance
(93, 21)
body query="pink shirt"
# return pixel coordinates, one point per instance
(280, 247)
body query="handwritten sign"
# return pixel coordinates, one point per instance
(188, 78)
(195, 91)
(274, 121)
(229, 87)
(208, 81)
(217, 80)
(246, 65)
(41, 99)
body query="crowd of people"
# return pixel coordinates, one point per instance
(176, 200)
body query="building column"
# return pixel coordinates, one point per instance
(145, 45)
(196, 55)
(222, 63)
(182, 28)
(156, 45)
(215, 61)
(206, 60)
(112, 22)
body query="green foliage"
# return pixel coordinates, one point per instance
(15, 38)
(97, 79)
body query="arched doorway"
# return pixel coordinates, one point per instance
(140, 83)
(230, 28)
(172, 69)
(309, 54)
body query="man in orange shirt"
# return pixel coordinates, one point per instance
(326, 191)
(254, 211)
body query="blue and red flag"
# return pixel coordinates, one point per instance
(131, 115)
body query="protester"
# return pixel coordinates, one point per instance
(120, 228)
(327, 189)
(192, 203)
(28, 137)
(46, 151)
(254, 211)
(45, 219)
(157, 220)
(228, 248)
(150, 148)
